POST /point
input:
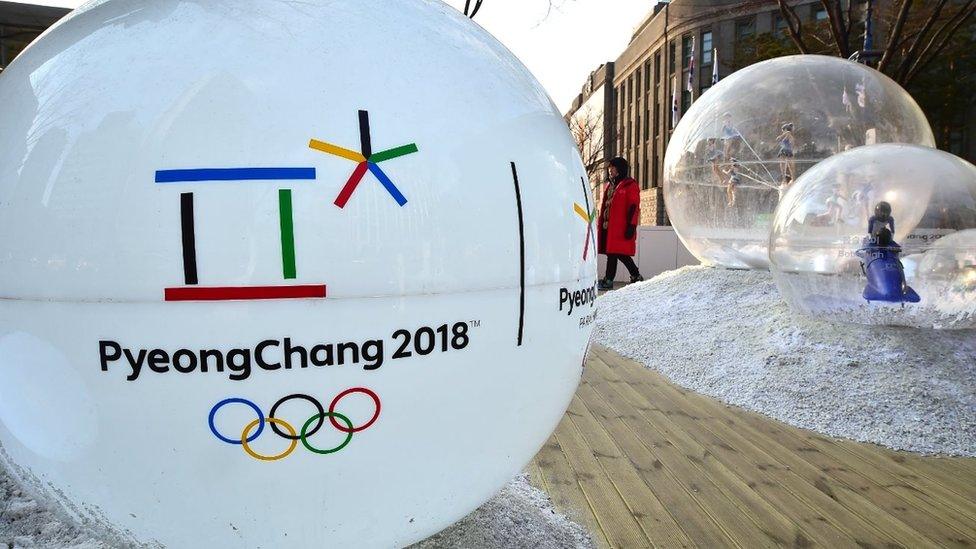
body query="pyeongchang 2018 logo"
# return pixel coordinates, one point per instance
(291, 433)
(366, 159)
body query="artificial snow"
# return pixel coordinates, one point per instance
(728, 334)
(518, 516)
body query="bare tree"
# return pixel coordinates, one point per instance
(587, 129)
(919, 32)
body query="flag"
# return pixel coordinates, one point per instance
(846, 100)
(715, 66)
(674, 101)
(862, 96)
(691, 69)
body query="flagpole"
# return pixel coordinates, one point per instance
(714, 66)
(691, 72)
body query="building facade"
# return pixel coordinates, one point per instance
(20, 24)
(671, 57)
(670, 62)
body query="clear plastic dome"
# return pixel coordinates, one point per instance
(741, 145)
(882, 234)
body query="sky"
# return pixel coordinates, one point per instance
(561, 45)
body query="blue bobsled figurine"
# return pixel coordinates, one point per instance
(880, 263)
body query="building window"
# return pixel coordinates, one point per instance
(706, 48)
(685, 100)
(647, 176)
(685, 52)
(744, 29)
(640, 91)
(657, 68)
(671, 58)
(647, 77)
(745, 43)
(779, 26)
(654, 166)
(657, 111)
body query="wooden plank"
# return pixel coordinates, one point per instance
(654, 517)
(535, 476)
(843, 508)
(929, 516)
(616, 519)
(955, 473)
(808, 523)
(692, 501)
(824, 474)
(919, 515)
(564, 488)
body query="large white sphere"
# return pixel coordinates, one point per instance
(825, 267)
(119, 246)
(831, 104)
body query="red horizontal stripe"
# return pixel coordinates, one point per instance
(244, 293)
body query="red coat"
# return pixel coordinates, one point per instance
(613, 238)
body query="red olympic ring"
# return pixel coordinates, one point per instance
(366, 425)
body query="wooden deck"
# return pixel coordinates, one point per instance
(644, 463)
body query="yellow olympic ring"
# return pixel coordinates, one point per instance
(255, 455)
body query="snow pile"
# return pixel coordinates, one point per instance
(728, 334)
(519, 516)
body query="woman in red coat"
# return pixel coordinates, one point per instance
(617, 223)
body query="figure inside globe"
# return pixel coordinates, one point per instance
(880, 261)
(714, 158)
(786, 142)
(733, 180)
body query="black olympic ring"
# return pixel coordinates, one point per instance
(313, 400)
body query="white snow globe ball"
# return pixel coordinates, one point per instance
(881, 234)
(283, 274)
(749, 137)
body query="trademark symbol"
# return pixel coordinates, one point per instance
(474, 323)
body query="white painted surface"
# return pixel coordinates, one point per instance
(658, 249)
(89, 242)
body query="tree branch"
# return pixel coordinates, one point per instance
(941, 36)
(793, 25)
(912, 53)
(895, 37)
(968, 10)
(836, 19)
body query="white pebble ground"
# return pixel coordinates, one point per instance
(520, 516)
(728, 334)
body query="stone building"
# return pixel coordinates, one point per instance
(658, 61)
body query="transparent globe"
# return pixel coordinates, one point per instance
(882, 234)
(745, 141)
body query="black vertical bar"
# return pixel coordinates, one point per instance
(189, 240)
(366, 146)
(518, 202)
(586, 195)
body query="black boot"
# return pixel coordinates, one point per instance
(637, 278)
(604, 284)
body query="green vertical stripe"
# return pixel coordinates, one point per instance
(287, 234)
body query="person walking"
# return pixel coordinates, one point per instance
(617, 222)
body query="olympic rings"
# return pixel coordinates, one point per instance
(365, 391)
(219, 405)
(255, 455)
(307, 429)
(320, 417)
(292, 436)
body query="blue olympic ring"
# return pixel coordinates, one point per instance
(213, 413)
